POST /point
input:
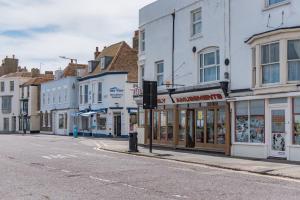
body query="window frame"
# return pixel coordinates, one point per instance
(270, 63)
(142, 41)
(99, 94)
(2, 86)
(194, 23)
(159, 74)
(6, 104)
(86, 94)
(293, 125)
(202, 67)
(249, 125)
(11, 86)
(291, 60)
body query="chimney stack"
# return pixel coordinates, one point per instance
(135, 41)
(97, 52)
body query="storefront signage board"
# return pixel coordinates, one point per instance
(192, 97)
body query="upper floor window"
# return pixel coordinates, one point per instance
(210, 66)
(6, 104)
(270, 63)
(99, 92)
(142, 39)
(196, 22)
(142, 74)
(86, 93)
(160, 73)
(11, 86)
(80, 95)
(293, 60)
(2, 85)
(44, 98)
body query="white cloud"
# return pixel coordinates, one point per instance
(78, 27)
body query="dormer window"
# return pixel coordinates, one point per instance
(105, 61)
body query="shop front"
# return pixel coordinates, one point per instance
(266, 126)
(193, 120)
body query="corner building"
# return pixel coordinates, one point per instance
(183, 46)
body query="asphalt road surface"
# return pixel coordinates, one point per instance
(55, 167)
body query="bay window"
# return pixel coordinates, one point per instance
(296, 121)
(250, 121)
(270, 63)
(210, 66)
(294, 60)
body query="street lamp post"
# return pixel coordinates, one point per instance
(71, 59)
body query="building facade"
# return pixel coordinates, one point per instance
(10, 101)
(29, 110)
(223, 79)
(265, 97)
(186, 57)
(106, 102)
(59, 100)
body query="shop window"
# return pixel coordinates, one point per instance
(209, 66)
(294, 60)
(163, 126)
(296, 113)
(250, 121)
(270, 63)
(182, 125)
(155, 125)
(200, 126)
(132, 121)
(141, 117)
(170, 124)
(101, 122)
(221, 126)
(61, 121)
(210, 126)
(84, 123)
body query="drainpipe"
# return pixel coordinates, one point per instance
(173, 47)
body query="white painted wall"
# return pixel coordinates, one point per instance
(125, 101)
(156, 21)
(249, 18)
(15, 100)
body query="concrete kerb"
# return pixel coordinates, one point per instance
(201, 163)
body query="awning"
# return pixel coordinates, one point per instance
(87, 114)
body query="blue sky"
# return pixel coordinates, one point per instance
(39, 31)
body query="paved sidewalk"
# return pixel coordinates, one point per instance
(266, 167)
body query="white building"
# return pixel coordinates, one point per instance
(255, 45)
(106, 100)
(10, 101)
(184, 44)
(59, 100)
(265, 70)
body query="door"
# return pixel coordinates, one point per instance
(6, 124)
(279, 126)
(14, 124)
(117, 125)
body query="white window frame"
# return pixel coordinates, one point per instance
(292, 60)
(271, 63)
(11, 86)
(202, 67)
(142, 41)
(158, 74)
(86, 95)
(99, 94)
(80, 94)
(2, 85)
(102, 62)
(193, 23)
